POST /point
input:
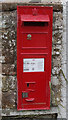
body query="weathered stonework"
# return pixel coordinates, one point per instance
(9, 52)
(9, 69)
(9, 83)
(8, 100)
(9, 28)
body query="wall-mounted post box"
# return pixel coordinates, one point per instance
(34, 46)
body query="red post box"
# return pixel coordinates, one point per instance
(34, 46)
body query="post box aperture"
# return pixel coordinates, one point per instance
(34, 46)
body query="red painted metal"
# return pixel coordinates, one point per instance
(37, 18)
(34, 42)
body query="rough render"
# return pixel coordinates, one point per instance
(67, 56)
(26, 1)
(0, 64)
(9, 59)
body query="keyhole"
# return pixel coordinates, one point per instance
(27, 84)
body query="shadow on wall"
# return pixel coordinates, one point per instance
(47, 117)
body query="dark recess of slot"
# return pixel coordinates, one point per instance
(27, 84)
(35, 23)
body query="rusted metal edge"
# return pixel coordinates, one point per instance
(13, 6)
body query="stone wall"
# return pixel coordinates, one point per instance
(67, 54)
(27, 1)
(9, 53)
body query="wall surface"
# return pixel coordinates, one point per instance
(9, 60)
(0, 62)
(67, 57)
(43, 1)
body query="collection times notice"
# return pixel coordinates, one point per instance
(33, 65)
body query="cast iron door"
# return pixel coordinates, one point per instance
(34, 45)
